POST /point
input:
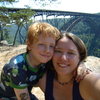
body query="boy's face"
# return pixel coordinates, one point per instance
(42, 50)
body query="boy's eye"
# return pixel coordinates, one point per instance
(44, 46)
(41, 44)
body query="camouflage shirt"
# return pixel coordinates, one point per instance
(18, 74)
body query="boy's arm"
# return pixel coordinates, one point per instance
(22, 94)
(81, 72)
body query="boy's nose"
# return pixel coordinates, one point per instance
(47, 49)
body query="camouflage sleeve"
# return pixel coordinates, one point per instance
(14, 76)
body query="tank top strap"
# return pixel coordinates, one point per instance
(49, 88)
(76, 91)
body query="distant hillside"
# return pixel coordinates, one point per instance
(12, 29)
(87, 30)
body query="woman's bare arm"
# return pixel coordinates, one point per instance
(90, 87)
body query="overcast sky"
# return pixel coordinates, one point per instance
(87, 6)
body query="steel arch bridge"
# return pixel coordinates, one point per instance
(76, 17)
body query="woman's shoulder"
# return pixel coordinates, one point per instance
(90, 86)
(91, 77)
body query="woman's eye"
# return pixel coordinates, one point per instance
(57, 51)
(71, 53)
(52, 46)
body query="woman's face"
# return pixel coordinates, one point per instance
(66, 56)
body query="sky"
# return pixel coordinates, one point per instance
(86, 6)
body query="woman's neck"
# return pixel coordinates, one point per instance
(64, 79)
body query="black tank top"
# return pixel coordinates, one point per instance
(49, 88)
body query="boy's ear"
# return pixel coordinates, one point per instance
(28, 45)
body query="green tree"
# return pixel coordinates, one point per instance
(21, 18)
(4, 18)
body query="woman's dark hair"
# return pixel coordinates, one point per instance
(79, 44)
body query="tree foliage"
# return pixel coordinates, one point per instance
(4, 2)
(7, 0)
(44, 3)
(21, 18)
(4, 18)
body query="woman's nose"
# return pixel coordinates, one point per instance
(64, 56)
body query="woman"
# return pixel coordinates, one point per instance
(59, 82)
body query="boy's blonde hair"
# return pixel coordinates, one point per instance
(42, 28)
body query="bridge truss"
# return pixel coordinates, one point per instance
(75, 18)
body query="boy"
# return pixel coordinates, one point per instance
(22, 72)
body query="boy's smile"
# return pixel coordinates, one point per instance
(42, 50)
